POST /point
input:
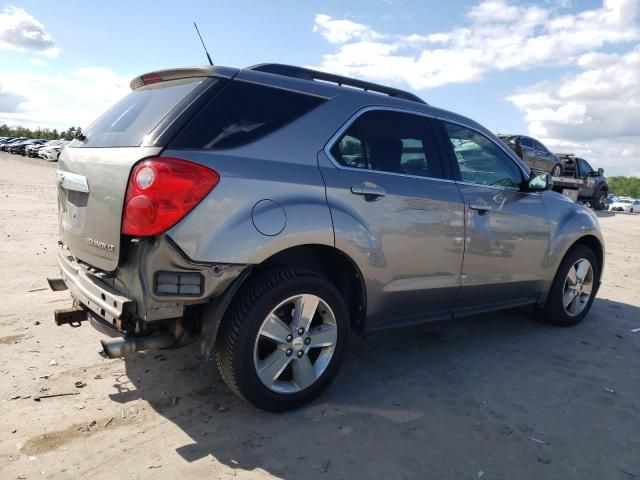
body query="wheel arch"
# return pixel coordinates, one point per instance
(336, 265)
(594, 244)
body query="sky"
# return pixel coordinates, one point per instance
(564, 71)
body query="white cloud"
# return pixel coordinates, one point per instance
(20, 31)
(38, 62)
(42, 99)
(499, 36)
(595, 113)
(341, 31)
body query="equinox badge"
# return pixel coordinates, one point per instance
(103, 245)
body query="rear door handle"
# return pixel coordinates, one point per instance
(481, 209)
(368, 190)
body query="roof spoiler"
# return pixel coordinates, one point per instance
(180, 73)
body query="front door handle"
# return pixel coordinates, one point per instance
(481, 209)
(368, 190)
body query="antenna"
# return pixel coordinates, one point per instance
(203, 45)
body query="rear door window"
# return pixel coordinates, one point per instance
(137, 114)
(539, 147)
(241, 113)
(389, 141)
(526, 142)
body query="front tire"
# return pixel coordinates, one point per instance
(282, 340)
(574, 288)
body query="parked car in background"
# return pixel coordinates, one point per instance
(5, 145)
(625, 204)
(594, 188)
(273, 211)
(533, 153)
(11, 148)
(52, 152)
(34, 149)
(20, 148)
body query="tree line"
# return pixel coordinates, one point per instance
(44, 133)
(625, 186)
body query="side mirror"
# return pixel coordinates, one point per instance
(600, 172)
(539, 182)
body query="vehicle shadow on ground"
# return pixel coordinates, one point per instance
(604, 213)
(512, 393)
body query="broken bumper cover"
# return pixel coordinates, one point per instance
(90, 292)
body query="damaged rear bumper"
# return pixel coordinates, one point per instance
(90, 292)
(130, 300)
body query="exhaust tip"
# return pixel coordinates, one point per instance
(112, 348)
(56, 284)
(119, 347)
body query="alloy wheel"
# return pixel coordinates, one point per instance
(295, 344)
(578, 287)
(602, 200)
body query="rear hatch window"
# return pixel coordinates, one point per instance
(132, 118)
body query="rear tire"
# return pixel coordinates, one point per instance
(251, 340)
(562, 290)
(600, 200)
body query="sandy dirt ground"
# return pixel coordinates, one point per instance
(497, 396)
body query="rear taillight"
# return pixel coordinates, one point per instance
(161, 192)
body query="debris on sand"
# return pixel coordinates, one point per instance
(537, 440)
(37, 399)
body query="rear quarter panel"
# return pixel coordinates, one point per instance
(224, 227)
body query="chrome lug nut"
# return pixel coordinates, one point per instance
(300, 331)
(289, 352)
(307, 340)
(300, 353)
(289, 338)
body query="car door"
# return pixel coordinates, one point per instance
(544, 159)
(396, 214)
(507, 232)
(528, 152)
(585, 173)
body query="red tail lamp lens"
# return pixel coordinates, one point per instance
(162, 191)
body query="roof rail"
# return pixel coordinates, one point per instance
(308, 74)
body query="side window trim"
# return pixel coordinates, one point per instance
(335, 138)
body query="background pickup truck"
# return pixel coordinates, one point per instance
(591, 185)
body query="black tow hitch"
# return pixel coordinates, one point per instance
(72, 316)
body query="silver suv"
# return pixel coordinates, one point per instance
(270, 212)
